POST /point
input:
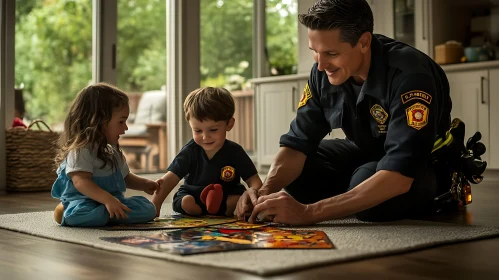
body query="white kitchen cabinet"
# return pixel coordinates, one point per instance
(470, 93)
(276, 102)
(494, 119)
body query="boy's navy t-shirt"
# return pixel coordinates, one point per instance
(227, 167)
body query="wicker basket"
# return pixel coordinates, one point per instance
(30, 158)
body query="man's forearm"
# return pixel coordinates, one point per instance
(380, 187)
(287, 166)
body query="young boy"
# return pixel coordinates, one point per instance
(211, 165)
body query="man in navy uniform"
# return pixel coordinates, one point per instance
(390, 100)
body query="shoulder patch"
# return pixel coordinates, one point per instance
(417, 115)
(306, 95)
(416, 94)
(228, 173)
(379, 114)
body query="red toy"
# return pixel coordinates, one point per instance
(18, 122)
(212, 197)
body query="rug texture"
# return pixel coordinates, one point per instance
(353, 239)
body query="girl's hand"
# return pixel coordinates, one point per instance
(117, 209)
(151, 187)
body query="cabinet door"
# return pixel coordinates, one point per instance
(408, 21)
(470, 102)
(494, 119)
(275, 105)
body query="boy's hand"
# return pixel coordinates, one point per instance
(155, 199)
(151, 187)
(117, 209)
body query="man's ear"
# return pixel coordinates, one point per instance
(230, 124)
(365, 41)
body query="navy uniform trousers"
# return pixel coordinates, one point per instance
(340, 166)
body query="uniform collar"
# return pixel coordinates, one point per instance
(375, 85)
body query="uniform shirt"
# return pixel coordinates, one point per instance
(227, 167)
(402, 106)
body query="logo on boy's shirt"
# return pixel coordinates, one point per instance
(228, 173)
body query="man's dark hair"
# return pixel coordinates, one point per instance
(352, 17)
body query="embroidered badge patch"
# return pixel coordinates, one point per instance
(379, 114)
(416, 94)
(417, 115)
(306, 95)
(228, 173)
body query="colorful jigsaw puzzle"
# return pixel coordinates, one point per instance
(211, 239)
(240, 225)
(176, 221)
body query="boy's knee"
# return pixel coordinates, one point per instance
(190, 206)
(231, 204)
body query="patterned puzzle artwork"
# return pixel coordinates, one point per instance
(212, 239)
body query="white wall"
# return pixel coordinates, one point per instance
(305, 58)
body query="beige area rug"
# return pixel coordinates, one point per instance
(353, 239)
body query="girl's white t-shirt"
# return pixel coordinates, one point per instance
(86, 160)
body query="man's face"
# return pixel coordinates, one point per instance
(339, 59)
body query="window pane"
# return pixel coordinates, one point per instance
(53, 57)
(226, 59)
(141, 64)
(282, 36)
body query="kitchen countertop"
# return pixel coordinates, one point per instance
(466, 66)
(470, 66)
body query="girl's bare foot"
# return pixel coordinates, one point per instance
(58, 212)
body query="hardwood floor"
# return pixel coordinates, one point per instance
(28, 257)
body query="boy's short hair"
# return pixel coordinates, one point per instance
(209, 103)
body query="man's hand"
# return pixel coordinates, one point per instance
(281, 208)
(245, 203)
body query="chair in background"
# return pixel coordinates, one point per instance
(145, 142)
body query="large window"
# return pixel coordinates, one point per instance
(282, 36)
(53, 57)
(141, 64)
(226, 53)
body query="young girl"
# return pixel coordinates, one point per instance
(92, 171)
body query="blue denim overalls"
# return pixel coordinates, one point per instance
(79, 210)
